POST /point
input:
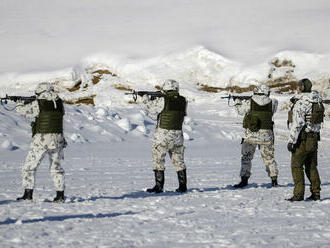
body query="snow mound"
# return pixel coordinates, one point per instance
(102, 77)
(8, 145)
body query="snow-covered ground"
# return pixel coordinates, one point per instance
(108, 160)
(108, 165)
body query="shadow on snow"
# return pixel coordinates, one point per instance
(144, 194)
(132, 195)
(6, 202)
(255, 185)
(140, 194)
(66, 217)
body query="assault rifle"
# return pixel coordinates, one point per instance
(153, 94)
(235, 97)
(24, 99)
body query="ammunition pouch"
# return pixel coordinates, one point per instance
(251, 122)
(317, 114)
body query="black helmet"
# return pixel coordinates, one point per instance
(305, 85)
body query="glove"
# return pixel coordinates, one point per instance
(145, 99)
(237, 101)
(291, 147)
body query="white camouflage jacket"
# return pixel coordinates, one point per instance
(301, 109)
(31, 111)
(262, 136)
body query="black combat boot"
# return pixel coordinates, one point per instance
(295, 198)
(182, 176)
(243, 183)
(274, 182)
(159, 178)
(314, 197)
(27, 195)
(59, 197)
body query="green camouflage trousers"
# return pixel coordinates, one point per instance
(305, 155)
(267, 154)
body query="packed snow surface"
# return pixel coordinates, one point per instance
(108, 159)
(108, 168)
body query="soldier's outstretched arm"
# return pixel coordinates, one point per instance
(242, 106)
(29, 111)
(153, 107)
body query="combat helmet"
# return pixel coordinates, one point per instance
(262, 90)
(170, 84)
(44, 87)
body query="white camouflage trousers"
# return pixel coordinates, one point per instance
(37, 152)
(267, 154)
(171, 142)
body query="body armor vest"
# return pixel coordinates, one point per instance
(259, 117)
(172, 115)
(50, 119)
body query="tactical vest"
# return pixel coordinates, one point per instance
(259, 117)
(172, 115)
(50, 119)
(316, 117)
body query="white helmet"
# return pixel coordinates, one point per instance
(262, 89)
(170, 84)
(44, 87)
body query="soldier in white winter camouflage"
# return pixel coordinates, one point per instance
(46, 114)
(168, 137)
(258, 132)
(305, 119)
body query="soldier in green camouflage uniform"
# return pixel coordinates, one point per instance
(305, 120)
(46, 113)
(258, 112)
(168, 137)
